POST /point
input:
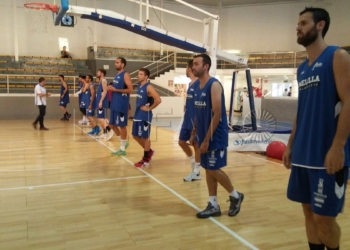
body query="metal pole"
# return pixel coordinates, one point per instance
(251, 99)
(147, 11)
(141, 11)
(8, 84)
(15, 34)
(196, 8)
(234, 75)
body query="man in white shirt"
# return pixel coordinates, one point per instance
(40, 101)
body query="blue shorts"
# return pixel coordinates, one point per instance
(185, 134)
(90, 112)
(63, 104)
(141, 129)
(214, 160)
(118, 119)
(324, 192)
(101, 114)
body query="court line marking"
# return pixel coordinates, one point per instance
(219, 224)
(17, 149)
(25, 170)
(73, 183)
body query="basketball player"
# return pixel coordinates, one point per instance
(121, 90)
(187, 127)
(82, 80)
(64, 98)
(89, 100)
(318, 151)
(211, 133)
(102, 105)
(40, 101)
(147, 100)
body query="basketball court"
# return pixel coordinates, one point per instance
(62, 188)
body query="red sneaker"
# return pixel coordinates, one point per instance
(143, 163)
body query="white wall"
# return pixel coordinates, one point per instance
(168, 109)
(272, 27)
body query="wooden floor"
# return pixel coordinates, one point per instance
(61, 189)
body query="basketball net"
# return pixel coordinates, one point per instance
(37, 20)
(37, 14)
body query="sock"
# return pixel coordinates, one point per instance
(85, 119)
(328, 248)
(146, 154)
(197, 167)
(108, 128)
(234, 194)
(191, 158)
(122, 145)
(214, 202)
(316, 246)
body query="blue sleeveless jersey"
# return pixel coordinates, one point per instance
(85, 99)
(143, 99)
(203, 114)
(120, 102)
(189, 110)
(318, 112)
(99, 96)
(66, 96)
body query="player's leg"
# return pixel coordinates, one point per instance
(113, 125)
(101, 119)
(90, 113)
(299, 191)
(328, 196)
(122, 123)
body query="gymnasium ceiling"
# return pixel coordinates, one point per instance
(226, 3)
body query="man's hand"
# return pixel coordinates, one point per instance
(111, 88)
(145, 108)
(100, 105)
(48, 94)
(204, 147)
(334, 159)
(287, 156)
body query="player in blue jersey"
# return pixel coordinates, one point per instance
(318, 151)
(81, 79)
(121, 90)
(187, 127)
(64, 98)
(102, 105)
(211, 132)
(89, 100)
(147, 99)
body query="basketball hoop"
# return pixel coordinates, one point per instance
(38, 16)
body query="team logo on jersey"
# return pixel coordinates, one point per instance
(124, 94)
(189, 96)
(82, 103)
(302, 73)
(319, 196)
(122, 118)
(86, 92)
(62, 102)
(317, 65)
(89, 110)
(140, 131)
(100, 111)
(191, 89)
(212, 159)
(117, 120)
(139, 96)
(339, 190)
(141, 91)
(200, 104)
(311, 81)
(145, 126)
(203, 94)
(222, 153)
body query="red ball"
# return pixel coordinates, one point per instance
(276, 150)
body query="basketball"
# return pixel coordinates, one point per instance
(276, 150)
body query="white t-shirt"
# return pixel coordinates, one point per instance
(40, 90)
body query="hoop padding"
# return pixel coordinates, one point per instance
(41, 6)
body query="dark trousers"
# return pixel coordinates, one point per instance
(40, 119)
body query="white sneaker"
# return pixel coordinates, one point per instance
(193, 177)
(81, 121)
(109, 135)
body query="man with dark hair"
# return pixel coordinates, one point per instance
(211, 132)
(102, 105)
(89, 99)
(65, 53)
(187, 127)
(64, 98)
(147, 100)
(121, 90)
(40, 101)
(318, 150)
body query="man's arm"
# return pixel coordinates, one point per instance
(65, 89)
(215, 93)
(341, 67)
(92, 97)
(154, 94)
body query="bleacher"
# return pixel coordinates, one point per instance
(24, 74)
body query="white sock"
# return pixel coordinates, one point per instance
(122, 145)
(213, 200)
(85, 119)
(197, 167)
(191, 158)
(234, 194)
